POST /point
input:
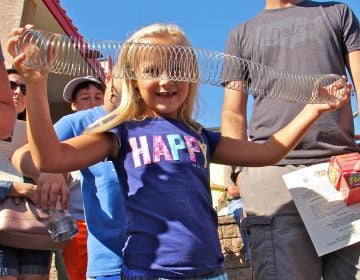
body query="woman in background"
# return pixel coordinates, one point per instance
(17, 263)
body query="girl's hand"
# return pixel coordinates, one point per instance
(30, 75)
(340, 89)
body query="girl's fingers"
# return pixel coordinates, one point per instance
(19, 59)
(16, 31)
(10, 45)
(29, 26)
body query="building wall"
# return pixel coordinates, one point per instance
(17, 13)
(13, 14)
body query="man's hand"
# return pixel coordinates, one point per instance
(233, 191)
(229, 191)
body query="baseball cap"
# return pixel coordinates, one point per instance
(69, 88)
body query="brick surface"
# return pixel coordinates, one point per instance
(231, 243)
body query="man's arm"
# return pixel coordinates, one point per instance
(353, 64)
(7, 107)
(234, 117)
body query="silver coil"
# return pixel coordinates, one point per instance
(62, 54)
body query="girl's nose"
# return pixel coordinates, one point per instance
(166, 78)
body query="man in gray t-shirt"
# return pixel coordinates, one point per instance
(301, 37)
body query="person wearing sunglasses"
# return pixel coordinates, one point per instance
(18, 89)
(7, 108)
(19, 263)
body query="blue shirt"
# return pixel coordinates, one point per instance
(103, 201)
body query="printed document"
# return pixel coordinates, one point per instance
(330, 223)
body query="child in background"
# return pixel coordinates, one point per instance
(82, 93)
(161, 156)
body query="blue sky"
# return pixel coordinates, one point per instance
(206, 24)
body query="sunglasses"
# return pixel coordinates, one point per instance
(14, 86)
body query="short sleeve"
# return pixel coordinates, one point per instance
(351, 29)
(234, 67)
(213, 138)
(115, 135)
(64, 129)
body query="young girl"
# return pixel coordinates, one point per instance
(161, 156)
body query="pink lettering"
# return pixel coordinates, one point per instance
(192, 146)
(160, 149)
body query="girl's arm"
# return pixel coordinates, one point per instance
(245, 153)
(48, 153)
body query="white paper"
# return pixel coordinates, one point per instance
(18, 139)
(330, 223)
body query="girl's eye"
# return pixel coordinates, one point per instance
(152, 72)
(176, 70)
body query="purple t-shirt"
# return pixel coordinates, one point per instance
(171, 225)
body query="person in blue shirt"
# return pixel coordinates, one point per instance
(81, 93)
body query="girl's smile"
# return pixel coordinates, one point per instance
(166, 94)
(161, 96)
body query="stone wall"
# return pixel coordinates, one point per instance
(231, 243)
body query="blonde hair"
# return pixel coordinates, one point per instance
(131, 105)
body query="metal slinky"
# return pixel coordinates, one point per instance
(62, 54)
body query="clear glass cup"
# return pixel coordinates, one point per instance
(61, 225)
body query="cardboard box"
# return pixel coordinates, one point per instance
(350, 188)
(343, 165)
(344, 174)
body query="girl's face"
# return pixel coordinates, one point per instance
(162, 97)
(18, 89)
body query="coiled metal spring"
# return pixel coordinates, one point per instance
(62, 54)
